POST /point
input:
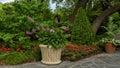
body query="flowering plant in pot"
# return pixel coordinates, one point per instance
(51, 43)
(52, 36)
(52, 39)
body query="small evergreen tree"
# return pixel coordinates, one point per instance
(82, 30)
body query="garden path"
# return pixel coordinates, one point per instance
(98, 61)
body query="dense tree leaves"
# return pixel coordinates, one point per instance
(93, 7)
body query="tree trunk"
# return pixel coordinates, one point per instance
(80, 3)
(98, 21)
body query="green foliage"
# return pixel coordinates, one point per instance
(53, 36)
(15, 58)
(109, 40)
(116, 16)
(15, 40)
(116, 19)
(7, 38)
(82, 31)
(39, 10)
(14, 21)
(112, 29)
(56, 40)
(2, 13)
(64, 23)
(36, 53)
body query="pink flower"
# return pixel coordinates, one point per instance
(31, 20)
(43, 28)
(65, 28)
(28, 33)
(33, 30)
(56, 20)
(52, 31)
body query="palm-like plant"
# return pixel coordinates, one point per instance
(112, 29)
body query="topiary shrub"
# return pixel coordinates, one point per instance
(82, 31)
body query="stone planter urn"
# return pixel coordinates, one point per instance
(50, 55)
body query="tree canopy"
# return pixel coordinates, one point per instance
(97, 10)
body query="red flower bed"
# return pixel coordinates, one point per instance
(74, 52)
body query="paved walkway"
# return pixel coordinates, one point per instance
(98, 61)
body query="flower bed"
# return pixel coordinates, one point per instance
(11, 56)
(74, 52)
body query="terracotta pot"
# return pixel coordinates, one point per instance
(110, 48)
(50, 55)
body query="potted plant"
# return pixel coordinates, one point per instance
(111, 31)
(110, 44)
(52, 38)
(51, 43)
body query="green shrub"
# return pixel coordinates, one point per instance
(15, 40)
(14, 58)
(15, 22)
(36, 52)
(82, 31)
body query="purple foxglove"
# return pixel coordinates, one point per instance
(28, 33)
(56, 20)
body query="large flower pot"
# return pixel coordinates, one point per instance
(110, 48)
(50, 55)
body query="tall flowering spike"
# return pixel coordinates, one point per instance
(65, 28)
(43, 28)
(52, 31)
(33, 30)
(56, 20)
(36, 36)
(30, 20)
(28, 33)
